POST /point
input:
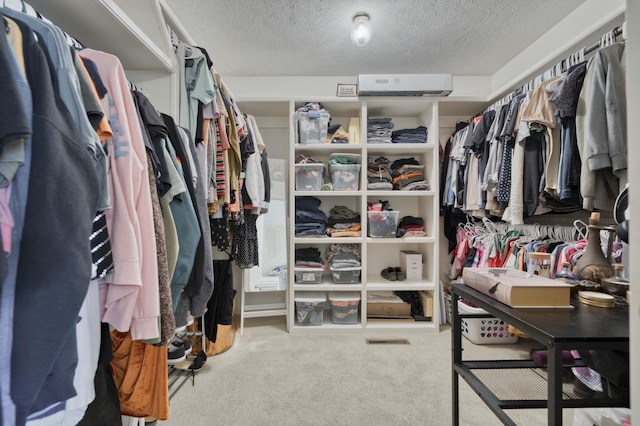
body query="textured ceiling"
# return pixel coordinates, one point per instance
(311, 37)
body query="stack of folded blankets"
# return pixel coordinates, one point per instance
(379, 130)
(417, 135)
(343, 222)
(410, 226)
(310, 220)
(343, 256)
(408, 175)
(308, 257)
(379, 173)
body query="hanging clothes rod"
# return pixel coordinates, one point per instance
(617, 31)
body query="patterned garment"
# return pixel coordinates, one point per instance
(220, 178)
(220, 230)
(101, 255)
(167, 318)
(244, 248)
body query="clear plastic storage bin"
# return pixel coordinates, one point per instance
(344, 307)
(308, 275)
(310, 308)
(312, 126)
(309, 176)
(484, 331)
(345, 177)
(346, 275)
(383, 224)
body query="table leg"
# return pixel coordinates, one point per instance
(554, 377)
(456, 358)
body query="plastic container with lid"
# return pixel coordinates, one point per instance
(310, 307)
(309, 176)
(308, 275)
(344, 307)
(383, 223)
(312, 126)
(345, 177)
(346, 275)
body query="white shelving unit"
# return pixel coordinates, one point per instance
(377, 253)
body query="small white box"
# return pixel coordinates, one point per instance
(411, 264)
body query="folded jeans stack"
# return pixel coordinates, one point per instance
(310, 220)
(417, 135)
(379, 130)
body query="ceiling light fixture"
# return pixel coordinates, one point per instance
(361, 30)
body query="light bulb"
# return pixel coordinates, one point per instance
(361, 30)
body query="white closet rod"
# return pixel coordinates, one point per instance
(579, 56)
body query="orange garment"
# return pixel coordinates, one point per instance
(352, 231)
(140, 374)
(407, 176)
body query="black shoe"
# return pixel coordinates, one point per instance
(175, 354)
(197, 363)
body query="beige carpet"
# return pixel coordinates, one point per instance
(271, 377)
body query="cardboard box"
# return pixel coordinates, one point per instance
(400, 309)
(427, 303)
(411, 264)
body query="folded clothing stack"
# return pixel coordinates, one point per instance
(337, 134)
(379, 173)
(308, 257)
(410, 226)
(342, 256)
(408, 175)
(417, 135)
(343, 222)
(310, 220)
(379, 130)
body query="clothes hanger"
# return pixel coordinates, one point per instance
(582, 229)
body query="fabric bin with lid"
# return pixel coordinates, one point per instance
(308, 275)
(310, 307)
(309, 176)
(345, 177)
(312, 126)
(383, 223)
(344, 307)
(346, 275)
(484, 331)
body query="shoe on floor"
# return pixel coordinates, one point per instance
(175, 354)
(389, 274)
(200, 360)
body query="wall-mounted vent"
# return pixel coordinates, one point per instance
(405, 84)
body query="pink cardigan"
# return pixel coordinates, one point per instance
(129, 295)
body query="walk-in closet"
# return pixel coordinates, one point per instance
(281, 212)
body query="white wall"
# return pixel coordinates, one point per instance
(322, 87)
(582, 27)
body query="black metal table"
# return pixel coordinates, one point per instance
(582, 328)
